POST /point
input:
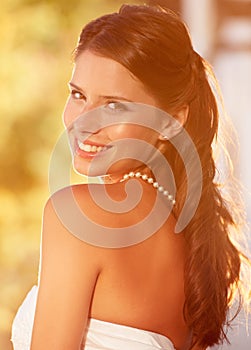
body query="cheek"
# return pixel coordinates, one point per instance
(132, 131)
(71, 112)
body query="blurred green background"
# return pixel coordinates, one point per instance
(37, 38)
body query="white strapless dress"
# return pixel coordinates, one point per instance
(100, 335)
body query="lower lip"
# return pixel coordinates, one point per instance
(89, 155)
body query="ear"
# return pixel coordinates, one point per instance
(182, 114)
(179, 118)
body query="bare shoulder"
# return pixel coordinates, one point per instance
(78, 216)
(72, 203)
(82, 195)
(81, 214)
(65, 226)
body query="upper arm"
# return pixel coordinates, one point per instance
(69, 269)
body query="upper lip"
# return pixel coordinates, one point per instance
(92, 143)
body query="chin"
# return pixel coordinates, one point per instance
(84, 168)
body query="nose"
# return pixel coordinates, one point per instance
(73, 110)
(91, 120)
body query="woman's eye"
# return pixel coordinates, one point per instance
(117, 106)
(76, 95)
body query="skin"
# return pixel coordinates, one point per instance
(78, 280)
(91, 86)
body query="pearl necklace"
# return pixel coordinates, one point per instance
(151, 181)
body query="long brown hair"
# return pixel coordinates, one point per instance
(154, 45)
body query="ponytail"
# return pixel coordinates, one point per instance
(212, 263)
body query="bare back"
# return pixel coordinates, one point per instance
(141, 285)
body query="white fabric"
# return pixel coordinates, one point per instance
(100, 335)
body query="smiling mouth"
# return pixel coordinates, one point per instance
(87, 149)
(90, 148)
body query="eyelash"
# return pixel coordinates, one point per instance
(74, 93)
(119, 106)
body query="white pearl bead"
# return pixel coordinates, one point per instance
(150, 180)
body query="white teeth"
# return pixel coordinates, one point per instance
(86, 148)
(89, 148)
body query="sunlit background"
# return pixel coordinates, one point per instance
(37, 38)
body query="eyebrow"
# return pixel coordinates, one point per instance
(107, 97)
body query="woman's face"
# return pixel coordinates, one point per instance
(98, 81)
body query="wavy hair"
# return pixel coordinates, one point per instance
(154, 45)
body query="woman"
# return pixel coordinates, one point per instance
(150, 288)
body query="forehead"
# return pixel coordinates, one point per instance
(89, 62)
(104, 76)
